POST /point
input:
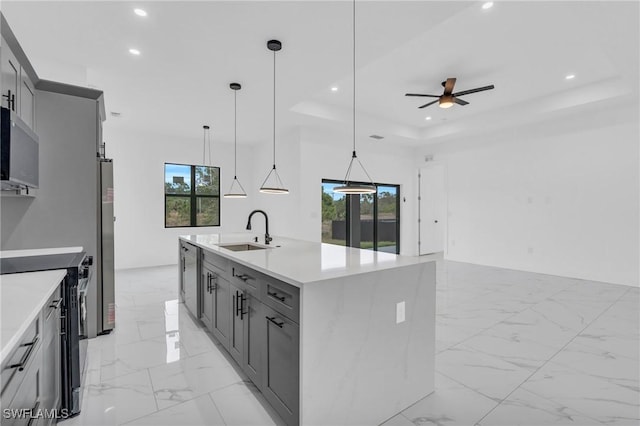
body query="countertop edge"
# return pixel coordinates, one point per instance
(55, 277)
(243, 262)
(289, 280)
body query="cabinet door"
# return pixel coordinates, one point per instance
(51, 374)
(10, 69)
(253, 316)
(236, 329)
(206, 291)
(222, 304)
(280, 375)
(28, 395)
(191, 280)
(27, 101)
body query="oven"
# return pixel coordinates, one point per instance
(73, 330)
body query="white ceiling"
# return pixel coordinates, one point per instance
(191, 51)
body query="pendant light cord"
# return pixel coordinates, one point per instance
(274, 109)
(354, 78)
(235, 134)
(210, 148)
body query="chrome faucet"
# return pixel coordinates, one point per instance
(267, 238)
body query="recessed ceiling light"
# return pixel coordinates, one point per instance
(140, 12)
(427, 118)
(570, 77)
(134, 51)
(334, 89)
(487, 5)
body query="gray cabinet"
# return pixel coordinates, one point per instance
(216, 303)
(255, 317)
(236, 330)
(27, 101)
(22, 376)
(10, 69)
(221, 302)
(207, 296)
(281, 362)
(253, 338)
(18, 91)
(189, 278)
(51, 375)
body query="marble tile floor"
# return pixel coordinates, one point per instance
(513, 348)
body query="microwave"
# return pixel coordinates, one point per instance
(19, 153)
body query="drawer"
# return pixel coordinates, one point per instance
(246, 279)
(216, 263)
(282, 297)
(27, 396)
(14, 367)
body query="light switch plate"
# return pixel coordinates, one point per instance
(400, 311)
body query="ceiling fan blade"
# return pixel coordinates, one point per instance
(460, 101)
(419, 94)
(430, 103)
(448, 86)
(479, 89)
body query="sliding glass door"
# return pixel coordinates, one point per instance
(367, 221)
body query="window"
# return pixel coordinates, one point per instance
(367, 221)
(191, 195)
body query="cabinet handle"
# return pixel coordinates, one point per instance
(56, 304)
(243, 299)
(243, 277)
(11, 100)
(213, 285)
(25, 360)
(238, 307)
(184, 265)
(273, 320)
(34, 409)
(275, 295)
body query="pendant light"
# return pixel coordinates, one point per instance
(206, 138)
(236, 190)
(350, 187)
(273, 184)
(206, 178)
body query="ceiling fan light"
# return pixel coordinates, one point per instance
(446, 102)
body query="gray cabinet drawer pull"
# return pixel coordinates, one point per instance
(273, 320)
(275, 295)
(32, 345)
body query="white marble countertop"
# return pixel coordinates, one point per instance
(38, 252)
(22, 296)
(301, 262)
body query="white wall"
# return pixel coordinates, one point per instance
(303, 160)
(559, 197)
(140, 236)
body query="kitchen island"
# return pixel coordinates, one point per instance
(329, 334)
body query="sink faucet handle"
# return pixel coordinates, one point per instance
(267, 239)
(255, 239)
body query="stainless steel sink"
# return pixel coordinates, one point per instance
(242, 247)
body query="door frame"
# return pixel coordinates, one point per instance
(428, 165)
(350, 199)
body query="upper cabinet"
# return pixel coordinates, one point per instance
(18, 91)
(10, 78)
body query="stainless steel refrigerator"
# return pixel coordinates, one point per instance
(105, 265)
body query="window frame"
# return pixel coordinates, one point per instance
(348, 201)
(193, 197)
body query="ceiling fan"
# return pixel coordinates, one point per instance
(448, 98)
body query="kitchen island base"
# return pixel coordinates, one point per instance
(351, 344)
